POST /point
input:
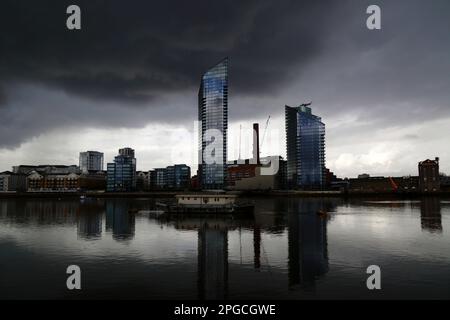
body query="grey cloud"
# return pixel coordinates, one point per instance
(142, 54)
(134, 63)
(133, 51)
(411, 136)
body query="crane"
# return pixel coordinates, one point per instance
(393, 184)
(306, 104)
(264, 134)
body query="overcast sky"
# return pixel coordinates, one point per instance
(130, 77)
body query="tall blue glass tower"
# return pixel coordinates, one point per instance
(305, 142)
(213, 126)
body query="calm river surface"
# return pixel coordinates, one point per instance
(286, 252)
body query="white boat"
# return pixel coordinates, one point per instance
(206, 203)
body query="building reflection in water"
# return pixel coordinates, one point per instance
(257, 246)
(212, 269)
(119, 220)
(40, 212)
(213, 261)
(307, 238)
(430, 215)
(89, 220)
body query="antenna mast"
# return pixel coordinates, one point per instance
(240, 129)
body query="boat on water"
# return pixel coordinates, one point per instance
(206, 204)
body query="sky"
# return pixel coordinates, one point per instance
(130, 77)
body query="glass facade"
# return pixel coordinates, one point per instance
(121, 174)
(305, 142)
(172, 177)
(179, 176)
(213, 116)
(91, 161)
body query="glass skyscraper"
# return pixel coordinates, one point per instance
(91, 161)
(213, 119)
(121, 174)
(305, 142)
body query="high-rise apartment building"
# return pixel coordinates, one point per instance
(305, 142)
(213, 118)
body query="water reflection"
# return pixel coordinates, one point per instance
(307, 236)
(39, 211)
(120, 219)
(257, 246)
(212, 261)
(430, 215)
(307, 243)
(430, 210)
(89, 222)
(287, 250)
(212, 254)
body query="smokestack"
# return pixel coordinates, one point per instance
(256, 142)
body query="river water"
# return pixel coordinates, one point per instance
(287, 251)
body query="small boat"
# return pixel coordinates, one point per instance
(206, 204)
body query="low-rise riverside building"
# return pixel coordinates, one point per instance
(50, 182)
(12, 182)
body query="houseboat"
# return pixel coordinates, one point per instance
(207, 203)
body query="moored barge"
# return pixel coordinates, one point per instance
(206, 204)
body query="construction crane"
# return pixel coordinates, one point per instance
(306, 104)
(264, 134)
(393, 184)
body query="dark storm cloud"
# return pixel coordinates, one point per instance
(397, 76)
(140, 61)
(2, 97)
(134, 51)
(139, 53)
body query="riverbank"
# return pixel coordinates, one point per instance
(271, 193)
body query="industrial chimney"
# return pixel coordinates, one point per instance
(256, 142)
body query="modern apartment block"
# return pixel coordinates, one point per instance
(213, 119)
(305, 143)
(10, 181)
(121, 174)
(172, 177)
(91, 161)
